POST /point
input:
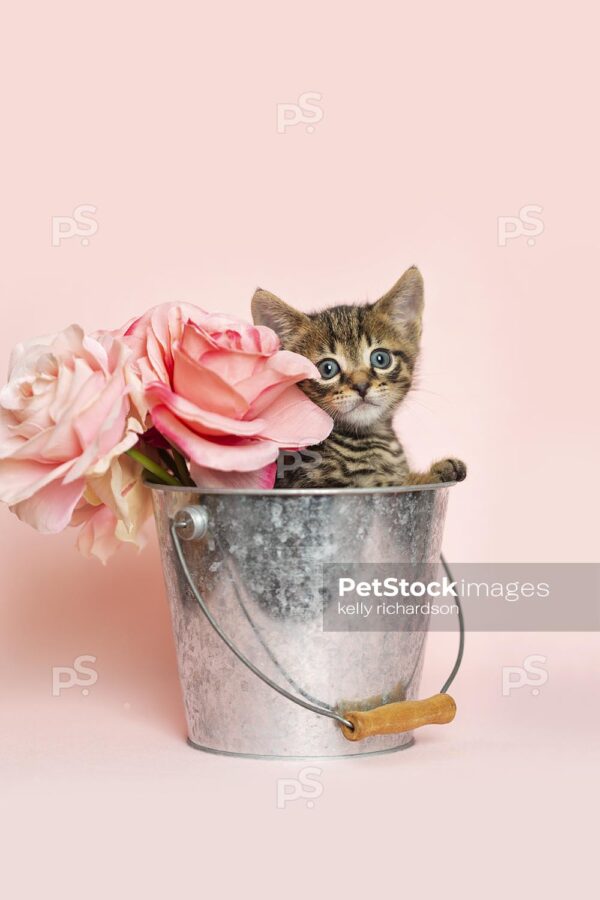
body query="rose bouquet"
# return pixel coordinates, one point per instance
(178, 396)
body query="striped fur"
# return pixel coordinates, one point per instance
(362, 450)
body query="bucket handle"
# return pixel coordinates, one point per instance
(191, 523)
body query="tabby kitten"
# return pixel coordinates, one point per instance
(366, 357)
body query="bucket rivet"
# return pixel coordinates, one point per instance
(191, 523)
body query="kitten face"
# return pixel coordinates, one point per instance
(365, 354)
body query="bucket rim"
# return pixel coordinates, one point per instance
(297, 492)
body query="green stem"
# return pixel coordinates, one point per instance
(181, 467)
(167, 461)
(153, 467)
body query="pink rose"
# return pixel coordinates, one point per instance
(64, 415)
(222, 392)
(114, 509)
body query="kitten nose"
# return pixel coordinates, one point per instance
(362, 387)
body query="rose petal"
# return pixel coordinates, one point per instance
(200, 420)
(97, 536)
(294, 421)
(205, 388)
(262, 479)
(21, 478)
(195, 341)
(282, 368)
(91, 422)
(49, 510)
(244, 455)
(232, 367)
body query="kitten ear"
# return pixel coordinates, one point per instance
(269, 310)
(404, 302)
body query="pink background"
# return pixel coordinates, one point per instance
(437, 119)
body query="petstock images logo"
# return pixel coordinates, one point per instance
(493, 596)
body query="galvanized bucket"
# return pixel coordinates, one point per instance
(243, 572)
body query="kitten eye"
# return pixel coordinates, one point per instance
(328, 368)
(380, 359)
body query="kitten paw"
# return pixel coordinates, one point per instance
(448, 470)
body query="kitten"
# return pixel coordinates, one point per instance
(366, 356)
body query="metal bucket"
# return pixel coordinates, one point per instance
(258, 569)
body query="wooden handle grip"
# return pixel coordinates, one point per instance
(394, 718)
